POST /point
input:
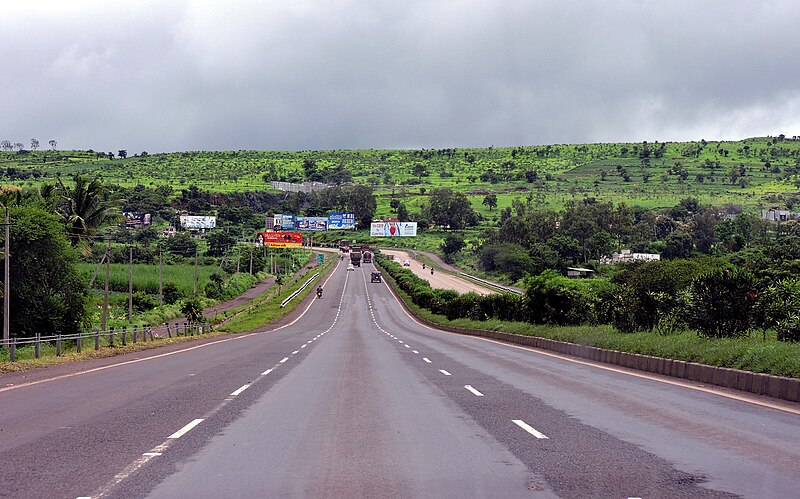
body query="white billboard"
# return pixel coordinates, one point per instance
(393, 229)
(198, 222)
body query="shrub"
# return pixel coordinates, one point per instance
(721, 304)
(779, 306)
(143, 302)
(171, 292)
(555, 299)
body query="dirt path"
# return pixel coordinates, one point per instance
(438, 280)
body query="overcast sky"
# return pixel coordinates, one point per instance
(167, 75)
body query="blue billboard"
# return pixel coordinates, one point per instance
(312, 223)
(341, 220)
(284, 222)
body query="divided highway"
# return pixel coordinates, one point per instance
(355, 399)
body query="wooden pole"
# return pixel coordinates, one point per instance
(160, 279)
(105, 293)
(7, 283)
(130, 284)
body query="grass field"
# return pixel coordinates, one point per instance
(145, 277)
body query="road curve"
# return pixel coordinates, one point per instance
(441, 280)
(354, 398)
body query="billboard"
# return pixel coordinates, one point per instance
(284, 222)
(279, 239)
(136, 220)
(198, 222)
(311, 223)
(393, 229)
(341, 220)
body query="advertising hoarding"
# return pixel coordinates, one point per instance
(393, 229)
(136, 220)
(198, 222)
(311, 223)
(341, 220)
(284, 222)
(279, 239)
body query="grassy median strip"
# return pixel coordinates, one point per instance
(269, 311)
(750, 353)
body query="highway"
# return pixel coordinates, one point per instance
(350, 397)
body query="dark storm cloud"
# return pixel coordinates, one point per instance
(162, 76)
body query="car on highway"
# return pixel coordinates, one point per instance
(406, 263)
(350, 267)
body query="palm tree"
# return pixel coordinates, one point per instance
(84, 210)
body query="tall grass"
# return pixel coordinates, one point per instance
(145, 276)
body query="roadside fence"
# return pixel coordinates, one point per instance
(120, 336)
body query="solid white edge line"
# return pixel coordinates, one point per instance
(185, 429)
(525, 426)
(746, 397)
(175, 352)
(240, 390)
(445, 372)
(473, 390)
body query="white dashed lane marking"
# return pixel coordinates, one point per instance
(473, 390)
(426, 360)
(525, 426)
(445, 372)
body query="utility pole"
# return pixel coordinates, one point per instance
(130, 284)
(238, 260)
(251, 261)
(195, 271)
(160, 279)
(105, 294)
(7, 283)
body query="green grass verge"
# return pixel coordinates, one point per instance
(751, 353)
(267, 311)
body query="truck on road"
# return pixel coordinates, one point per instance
(355, 256)
(366, 254)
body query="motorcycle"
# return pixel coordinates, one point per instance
(431, 270)
(319, 292)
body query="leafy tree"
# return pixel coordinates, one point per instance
(361, 201)
(490, 200)
(192, 309)
(452, 244)
(447, 208)
(122, 153)
(84, 210)
(402, 212)
(48, 295)
(219, 241)
(181, 244)
(677, 245)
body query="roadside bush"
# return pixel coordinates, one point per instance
(555, 299)
(649, 294)
(143, 302)
(780, 307)
(721, 303)
(171, 292)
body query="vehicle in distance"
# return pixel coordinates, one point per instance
(376, 277)
(355, 256)
(406, 263)
(350, 267)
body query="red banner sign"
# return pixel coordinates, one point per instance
(279, 239)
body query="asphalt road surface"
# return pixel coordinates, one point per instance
(440, 280)
(352, 398)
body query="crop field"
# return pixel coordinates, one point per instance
(751, 173)
(145, 277)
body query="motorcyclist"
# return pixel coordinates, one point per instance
(423, 266)
(319, 292)
(431, 270)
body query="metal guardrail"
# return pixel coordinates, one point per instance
(492, 284)
(300, 290)
(145, 333)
